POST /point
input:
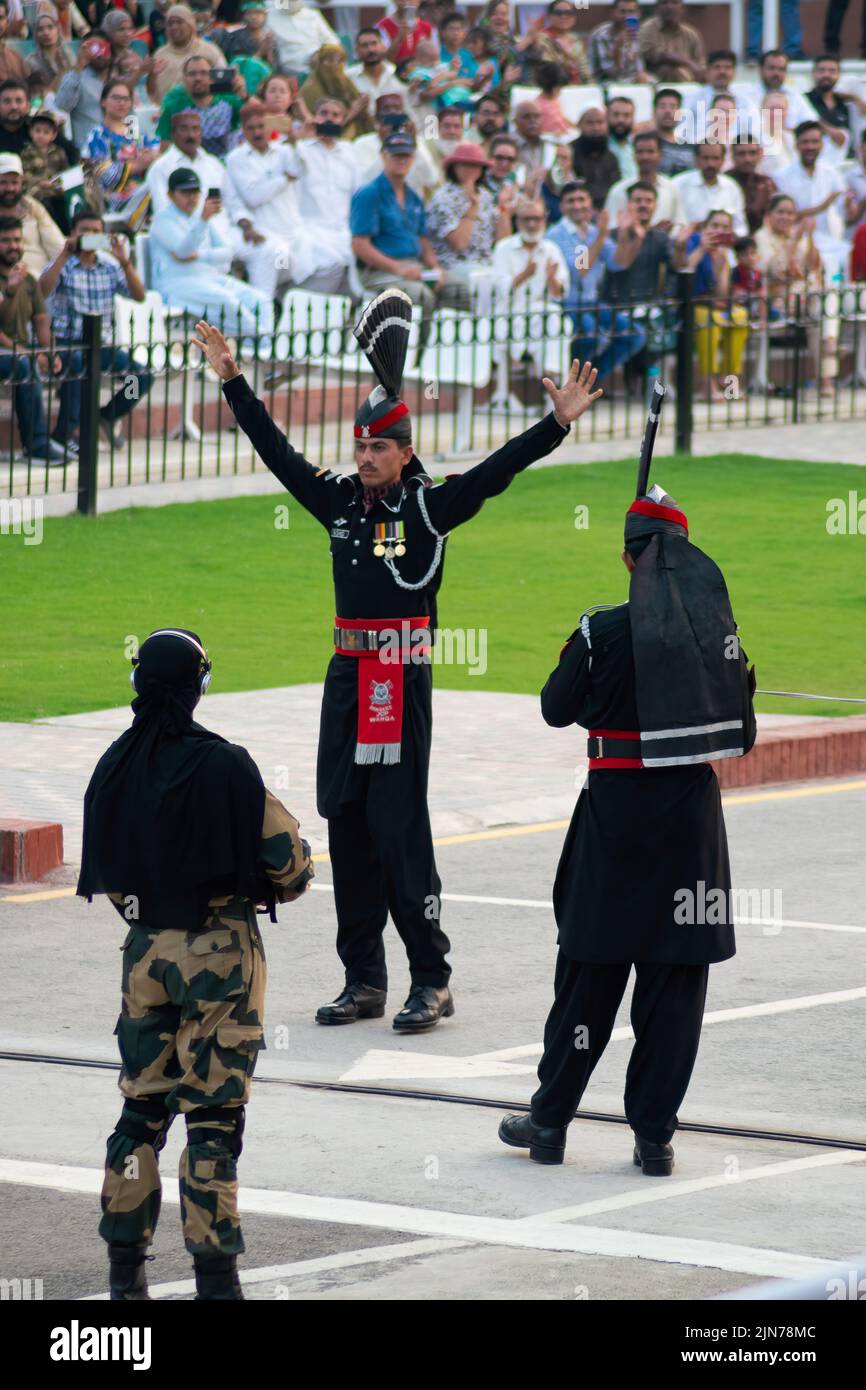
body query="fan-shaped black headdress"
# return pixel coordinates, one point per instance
(692, 680)
(383, 332)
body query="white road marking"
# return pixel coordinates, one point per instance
(664, 1191)
(546, 905)
(380, 1064)
(529, 1233)
(348, 1259)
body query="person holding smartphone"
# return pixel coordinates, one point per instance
(614, 52)
(721, 327)
(90, 270)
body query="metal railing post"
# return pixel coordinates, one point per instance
(88, 431)
(685, 364)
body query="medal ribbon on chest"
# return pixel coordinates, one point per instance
(389, 539)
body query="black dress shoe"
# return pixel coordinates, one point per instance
(424, 1008)
(356, 1001)
(544, 1145)
(656, 1160)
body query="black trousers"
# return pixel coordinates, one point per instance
(667, 1008)
(383, 859)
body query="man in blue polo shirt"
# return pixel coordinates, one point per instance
(604, 336)
(389, 235)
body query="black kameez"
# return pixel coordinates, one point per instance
(637, 837)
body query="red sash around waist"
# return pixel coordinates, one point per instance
(382, 646)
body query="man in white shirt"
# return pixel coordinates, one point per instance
(372, 74)
(186, 152)
(817, 188)
(706, 189)
(300, 30)
(772, 78)
(721, 71)
(390, 115)
(529, 273)
(262, 174)
(648, 154)
(327, 176)
(528, 268)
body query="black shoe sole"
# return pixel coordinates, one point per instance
(377, 1012)
(654, 1167)
(422, 1027)
(539, 1153)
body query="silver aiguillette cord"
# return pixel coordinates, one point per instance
(804, 695)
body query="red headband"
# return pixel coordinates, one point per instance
(655, 509)
(377, 426)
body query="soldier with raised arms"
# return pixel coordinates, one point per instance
(388, 528)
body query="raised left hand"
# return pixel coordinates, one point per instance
(576, 394)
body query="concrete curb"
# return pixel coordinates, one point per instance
(819, 748)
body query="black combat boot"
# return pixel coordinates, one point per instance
(127, 1278)
(216, 1277)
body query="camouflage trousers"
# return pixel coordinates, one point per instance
(189, 1034)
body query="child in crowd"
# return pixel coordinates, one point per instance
(487, 73)
(552, 78)
(42, 158)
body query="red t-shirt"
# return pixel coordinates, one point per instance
(390, 29)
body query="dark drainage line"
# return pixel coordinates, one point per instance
(482, 1102)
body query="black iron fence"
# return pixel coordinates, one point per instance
(141, 406)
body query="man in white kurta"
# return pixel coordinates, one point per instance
(327, 175)
(190, 257)
(300, 30)
(262, 174)
(185, 152)
(818, 190)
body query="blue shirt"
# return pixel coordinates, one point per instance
(704, 278)
(582, 289)
(393, 230)
(86, 290)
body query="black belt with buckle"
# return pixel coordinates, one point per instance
(365, 639)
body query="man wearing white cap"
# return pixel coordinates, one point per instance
(43, 239)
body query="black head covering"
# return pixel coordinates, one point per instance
(173, 812)
(692, 679)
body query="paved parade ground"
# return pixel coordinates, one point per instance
(370, 1168)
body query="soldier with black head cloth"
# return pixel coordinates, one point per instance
(388, 528)
(663, 686)
(184, 837)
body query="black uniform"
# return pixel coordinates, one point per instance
(636, 838)
(378, 823)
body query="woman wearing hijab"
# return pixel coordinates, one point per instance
(183, 836)
(51, 56)
(328, 79)
(181, 42)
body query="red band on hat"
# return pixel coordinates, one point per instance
(377, 426)
(664, 513)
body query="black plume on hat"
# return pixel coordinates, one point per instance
(383, 333)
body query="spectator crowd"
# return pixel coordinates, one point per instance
(220, 154)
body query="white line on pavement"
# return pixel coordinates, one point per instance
(547, 905)
(683, 1189)
(530, 1233)
(298, 1269)
(389, 1064)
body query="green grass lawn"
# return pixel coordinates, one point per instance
(262, 598)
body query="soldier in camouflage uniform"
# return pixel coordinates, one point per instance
(189, 1033)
